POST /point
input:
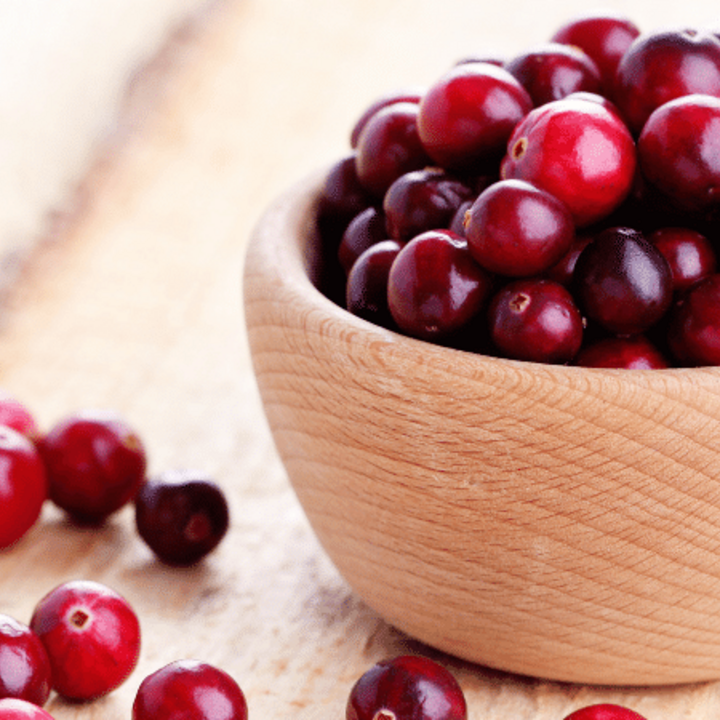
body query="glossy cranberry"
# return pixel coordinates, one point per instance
(604, 711)
(679, 152)
(457, 224)
(422, 200)
(622, 281)
(388, 147)
(407, 687)
(23, 485)
(562, 271)
(367, 284)
(664, 65)
(578, 151)
(363, 231)
(434, 285)
(95, 464)
(694, 325)
(342, 196)
(16, 415)
(553, 71)
(517, 230)
(24, 664)
(411, 95)
(631, 353)
(604, 36)
(91, 635)
(182, 516)
(689, 254)
(467, 116)
(17, 709)
(537, 320)
(189, 690)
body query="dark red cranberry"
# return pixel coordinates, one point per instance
(553, 71)
(604, 36)
(689, 254)
(91, 635)
(189, 690)
(24, 664)
(664, 65)
(388, 147)
(622, 281)
(23, 486)
(537, 320)
(95, 464)
(182, 516)
(678, 152)
(367, 284)
(408, 686)
(632, 353)
(362, 232)
(467, 116)
(434, 285)
(17, 709)
(411, 95)
(517, 230)
(694, 325)
(562, 271)
(422, 200)
(342, 196)
(457, 224)
(17, 416)
(578, 151)
(604, 711)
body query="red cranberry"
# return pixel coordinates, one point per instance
(578, 151)
(517, 230)
(17, 709)
(622, 281)
(562, 271)
(23, 486)
(91, 635)
(182, 516)
(17, 416)
(388, 147)
(95, 464)
(467, 116)
(363, 231)
(189, 690)
(411, 95)
(367, 284)
(24, 664)
(406, 687)
(342, 196)
(434, 285)
(632, 353)
(678, 151)
(604, 711)
(689, 254)
(537, 320)
(662, 66)
(553, 71)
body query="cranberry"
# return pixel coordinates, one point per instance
(17, 416)
(189, 690)
(434, 285)
(664, 65)
(467, 116)
(24, 664)
(342, 196)
(91, 635)
(578, 151)
(95, 464)
(408, 686)
(23, 485)
(537, 320)
(182, 516)
(362, 232)
(553, 71)
(388, 147)
(562, 271)
(604, 36)
(17, 709)
(411, 95)
(622, 281)
(689, 254)
(679, 151)
(422, 200)
(367, 284)
(604, 711)
(517, 230)
(632, 353)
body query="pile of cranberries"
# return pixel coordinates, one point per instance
(559, 206)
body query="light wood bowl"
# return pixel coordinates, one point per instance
(553, 521)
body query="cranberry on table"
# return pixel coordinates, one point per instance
(362, 232)
(604, 711)
(189, 690)
(630, 353)
(24, 664)
(411, 95)
(17, 709)
(91, 635)
(16, 415)
(182, 516)
(516, 229)
(407, 686)
(23, 486)
(689, 254)
(95, 464)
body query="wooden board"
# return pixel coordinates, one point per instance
(133, 302)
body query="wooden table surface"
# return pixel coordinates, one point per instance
(133, 302)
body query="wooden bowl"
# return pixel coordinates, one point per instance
(559, 522)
